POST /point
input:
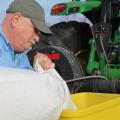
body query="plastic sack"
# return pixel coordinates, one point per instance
(29, 95)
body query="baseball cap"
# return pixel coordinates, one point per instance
(30, 9)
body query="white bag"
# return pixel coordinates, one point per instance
(29, 95)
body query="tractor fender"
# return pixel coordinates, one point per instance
(53, 20)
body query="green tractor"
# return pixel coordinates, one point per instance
(104, 55)
(93, 62)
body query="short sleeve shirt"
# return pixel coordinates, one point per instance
(7, 56)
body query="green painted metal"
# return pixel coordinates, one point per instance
(92, 64)
(108, 70)
(113, 72)
(78, 7)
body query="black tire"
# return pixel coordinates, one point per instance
(67, 65)
(71, 35)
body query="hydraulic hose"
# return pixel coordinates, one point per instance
(95, 84)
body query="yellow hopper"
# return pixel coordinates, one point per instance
(94, 106)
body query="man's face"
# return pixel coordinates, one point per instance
(25, 35)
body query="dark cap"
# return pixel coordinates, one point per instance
(30, 9)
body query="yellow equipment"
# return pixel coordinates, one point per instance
(94, 106)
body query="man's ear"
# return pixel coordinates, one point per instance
(16, 19)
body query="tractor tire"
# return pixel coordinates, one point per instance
(66, 63)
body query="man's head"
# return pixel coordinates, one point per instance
(30, 9)
(25, 20)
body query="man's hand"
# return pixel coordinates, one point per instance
(44, 61)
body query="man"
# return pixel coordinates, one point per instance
(21, 29)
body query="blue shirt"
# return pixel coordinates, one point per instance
(7, 56)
